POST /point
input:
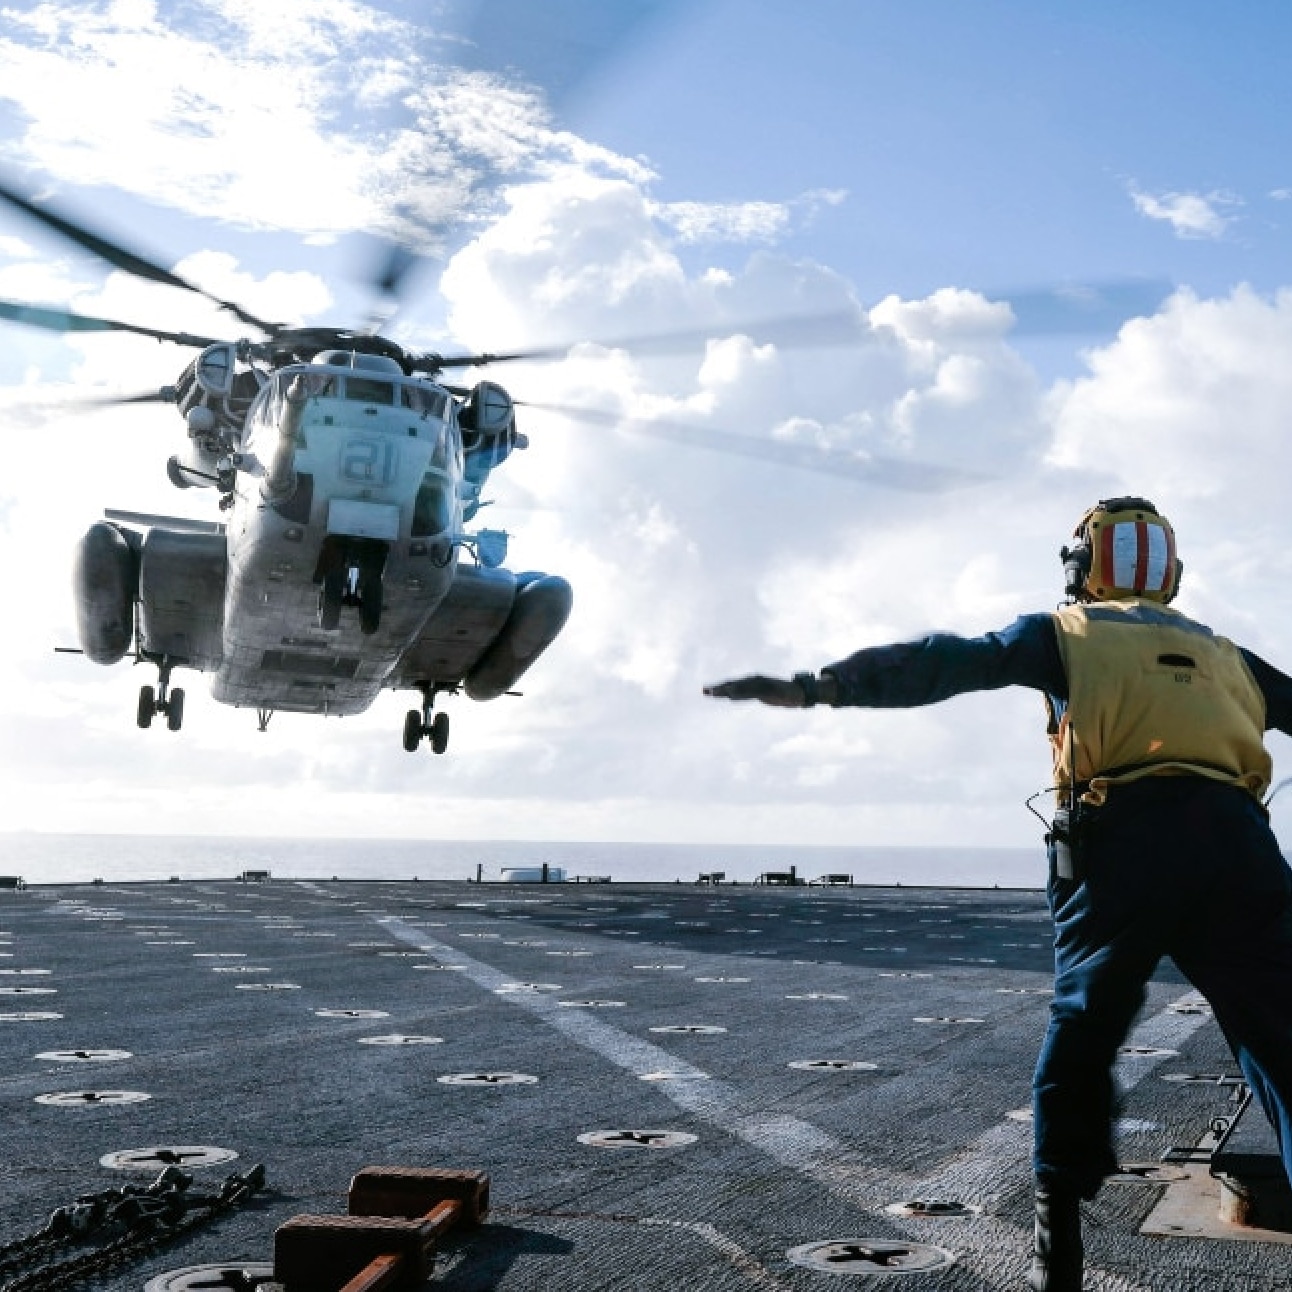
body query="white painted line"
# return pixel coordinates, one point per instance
(985, 1169)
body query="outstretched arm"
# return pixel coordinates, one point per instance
(1276, 687)
(925, 671)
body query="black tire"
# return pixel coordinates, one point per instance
(331, 595)
(175, 710)
(412, 730)
(439, 733)
(370, 599)
(147, 707)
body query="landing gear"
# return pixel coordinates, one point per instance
(420, 725)
(175, 710)
(147, 706)
(370, 598)
(161, 700)
(413, 730)
(331, 599)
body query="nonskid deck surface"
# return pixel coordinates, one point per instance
(770, 1069)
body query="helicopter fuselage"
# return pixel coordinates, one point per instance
(346, 480)
(341, 536)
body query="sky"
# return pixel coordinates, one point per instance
(1062, 233)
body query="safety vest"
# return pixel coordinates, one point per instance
(1151, 693)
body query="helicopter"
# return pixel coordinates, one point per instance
(347, 472)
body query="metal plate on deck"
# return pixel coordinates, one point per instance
(228, 1277)
(91, 1098)
(834, 1065)
(637, 1139)
(869, 1256)
(158, 1157)
(84, 1056)
(487, 1079)
(396, 1038)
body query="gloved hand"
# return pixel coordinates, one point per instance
(781, 692)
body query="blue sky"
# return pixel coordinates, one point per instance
(990, 145)
(733, 161)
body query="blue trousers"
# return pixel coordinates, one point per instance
(1171, 866)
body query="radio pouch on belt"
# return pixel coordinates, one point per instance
(1064, 840)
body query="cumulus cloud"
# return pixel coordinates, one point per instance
(690, 562)
(743, 222)
(308, 123)
(1191, 215)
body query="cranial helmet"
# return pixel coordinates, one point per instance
(1124, 548)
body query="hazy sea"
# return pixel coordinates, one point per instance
(81, 858)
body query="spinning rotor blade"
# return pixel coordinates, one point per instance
(837, 327)
(1085, 307)
(888, 473)
(1080, 309)
(117, 255)
(165, 396)
(56, 320)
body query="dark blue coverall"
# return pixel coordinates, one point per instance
(1177, 866)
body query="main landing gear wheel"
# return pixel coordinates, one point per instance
(161, 699)
(147, 707)
(412, 730)
(419, 726)
(439, 733)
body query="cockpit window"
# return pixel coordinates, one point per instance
(365, 390)
(318, 384)
(433, 509)
(430, 403)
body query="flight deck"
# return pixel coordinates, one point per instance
(670, 1086)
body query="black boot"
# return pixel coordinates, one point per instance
(1056, 1263)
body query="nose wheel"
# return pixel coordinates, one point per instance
(419, 725)
(161, 699)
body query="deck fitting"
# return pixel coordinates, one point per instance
(487, 1079)
(931, 1209)
(637, 1139)
(869, 1257)
(187, 1156)
(226, 1277)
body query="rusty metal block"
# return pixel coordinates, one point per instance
(412, 1191)
(323, 1253)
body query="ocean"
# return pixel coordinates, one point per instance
(41, 858)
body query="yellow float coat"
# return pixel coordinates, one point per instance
(1152, 693)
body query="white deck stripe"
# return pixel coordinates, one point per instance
(979, 1173)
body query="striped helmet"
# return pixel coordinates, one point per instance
(1124, 549)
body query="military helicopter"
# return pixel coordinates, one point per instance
(347, 471)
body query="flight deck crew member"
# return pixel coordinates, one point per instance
(1161, 844)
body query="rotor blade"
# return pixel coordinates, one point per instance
(563, 46)
(888, 473)
(1078, 309)
(166, 395)
(57, 320)
(836, 327)
(1084, 308)
(117, 255)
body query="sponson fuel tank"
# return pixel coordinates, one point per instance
(537, 616)
(105, 582)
